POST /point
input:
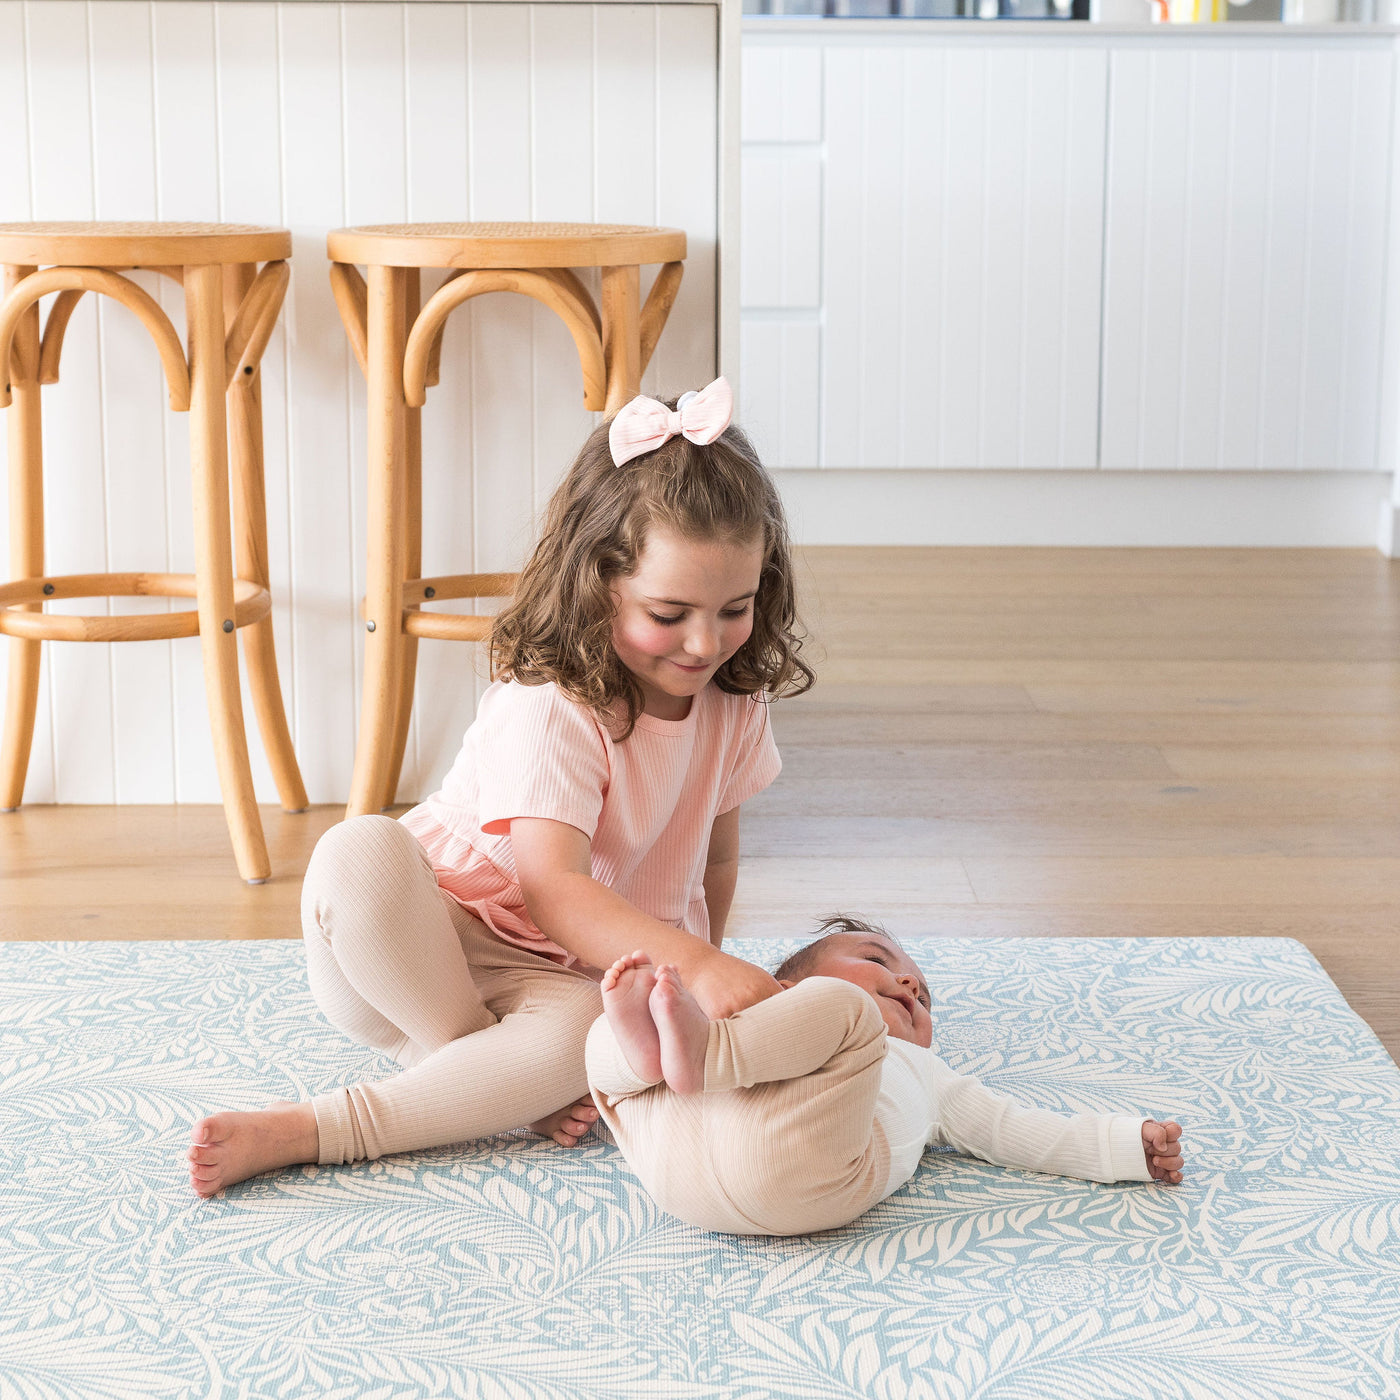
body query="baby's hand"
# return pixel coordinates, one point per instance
(723, 985)
(1161, 1145)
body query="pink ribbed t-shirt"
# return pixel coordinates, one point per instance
(646, 804)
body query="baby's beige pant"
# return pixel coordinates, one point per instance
(493, 1035)
(783, 1140)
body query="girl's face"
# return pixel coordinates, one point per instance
(684, 612)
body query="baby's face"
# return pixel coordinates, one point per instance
(881, 968)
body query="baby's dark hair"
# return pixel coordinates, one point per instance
(801, 963)
(559, 626)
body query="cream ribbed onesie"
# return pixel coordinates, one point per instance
(811, 1114)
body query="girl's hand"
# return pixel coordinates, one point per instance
(724, 984)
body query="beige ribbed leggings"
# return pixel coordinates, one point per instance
(493, 1035)
(784, 1138)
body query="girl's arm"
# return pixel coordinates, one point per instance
(552, 860)
(721, 871)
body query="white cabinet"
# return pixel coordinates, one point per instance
(1245, 257)
(1045, 248)
(921, 269)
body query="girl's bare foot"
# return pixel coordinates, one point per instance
(627, 988)
(568, 1124)
(683, 1030)
(231, 1147)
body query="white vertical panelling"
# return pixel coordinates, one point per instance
(506, 402)
(318, 381)
(1332, 154)
(687, 117)
(376, 192)
(783, 94)
(1292, 166)
(1004, 292)
(314, 117)
(959, 250)
(561, 165)
(502, 386)
(1201, 374)
(762, 84)
(761, 386)
(1371, 200)
(843, 89)
(962, 215)
(14, 204)
(75, 519)
(781, 252)
(781, 368)
(187, 187)
(132, 399)
(626, 113)
(1245, 253)
(436, 87)
(1245, 237)
(780, 262)
(880, 211)
(1060, 246)
(924, 269)
(250, 191)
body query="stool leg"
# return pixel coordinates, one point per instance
(26, 543)
(384, 570)
(622, 341)
(204, 314)
(412, 546)
(250, 535)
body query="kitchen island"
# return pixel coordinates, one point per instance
(1065, 283)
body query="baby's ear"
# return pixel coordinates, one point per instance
(785, 984)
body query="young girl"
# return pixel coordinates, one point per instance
(592, 810)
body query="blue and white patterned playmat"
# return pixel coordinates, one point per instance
(513, 1268)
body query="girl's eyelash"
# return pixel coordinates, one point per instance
(729, 612)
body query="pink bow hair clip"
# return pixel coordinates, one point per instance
(644, 424)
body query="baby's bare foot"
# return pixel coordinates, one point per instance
(627, 988)
(684, 1032)
(568, 1124)
(231, 1147)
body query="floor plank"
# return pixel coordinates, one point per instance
(1043, 743)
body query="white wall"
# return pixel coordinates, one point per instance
(314, 117)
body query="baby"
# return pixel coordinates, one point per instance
(801, 1112)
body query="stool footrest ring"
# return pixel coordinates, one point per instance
(415, 590)
(252, 603)
(448, 627)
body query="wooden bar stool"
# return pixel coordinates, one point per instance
(399, 347)
(230, 309)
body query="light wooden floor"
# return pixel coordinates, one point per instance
(1027, 742)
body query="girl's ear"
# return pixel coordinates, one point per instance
(785, 984)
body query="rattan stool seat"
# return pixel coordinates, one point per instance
(141, 244)
(506, 245)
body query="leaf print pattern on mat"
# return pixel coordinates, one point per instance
(511, 1268)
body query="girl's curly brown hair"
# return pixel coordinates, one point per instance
(559, 625)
